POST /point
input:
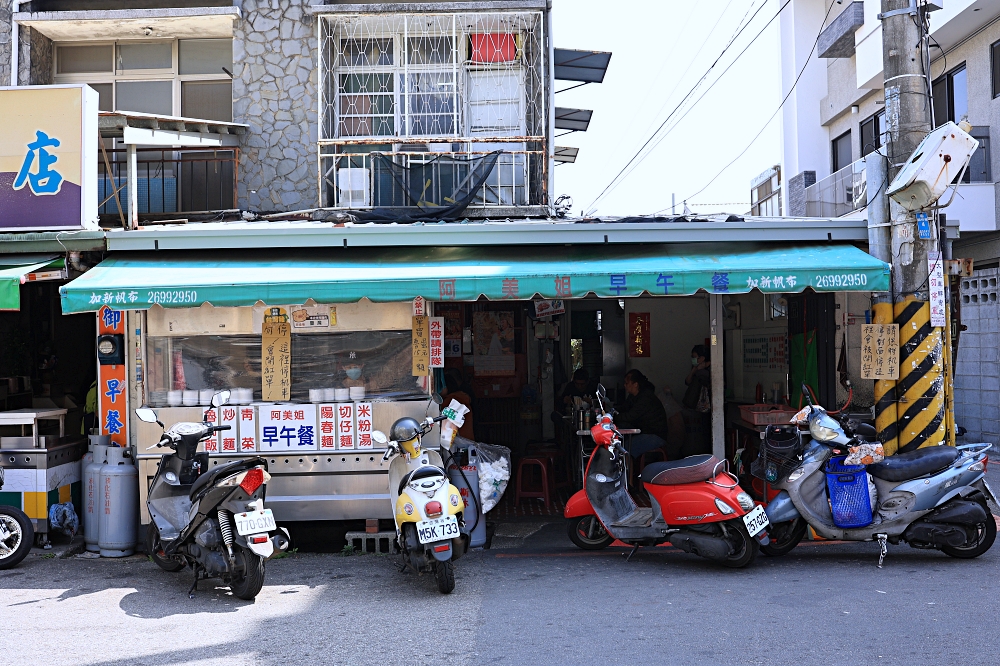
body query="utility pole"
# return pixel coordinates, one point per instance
(918, 396)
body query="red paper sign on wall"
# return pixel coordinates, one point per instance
(638, 334)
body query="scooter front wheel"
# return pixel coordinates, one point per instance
(445, 574)
(588, 533)
(745, 547)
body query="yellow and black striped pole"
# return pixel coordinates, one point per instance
(885, 390)
(920, 389)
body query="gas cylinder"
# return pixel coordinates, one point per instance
(119, 505)
(91, 491)
(474, 518)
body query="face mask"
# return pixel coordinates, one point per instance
(694, 361)
(353, 373)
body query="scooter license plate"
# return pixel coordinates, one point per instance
(254, 522)
(756, 521)
(437, 529)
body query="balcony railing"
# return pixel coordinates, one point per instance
(838, 194)
(169, 181)
(431, 179)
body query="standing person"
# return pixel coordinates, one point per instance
(698, 403)
(643, 410)
(453, 391)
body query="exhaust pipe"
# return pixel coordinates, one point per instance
(709, 547)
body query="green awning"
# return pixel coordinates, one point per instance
(14, 268)
(189, 279)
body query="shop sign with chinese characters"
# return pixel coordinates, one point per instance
(363, 413)
(112, 383)
(48, 158)
(421, 347)
(276, 361)
(229, 439)
(436, 329)
(638, 334)
(345, 426)
(935, 289)
(248, 428)
(287, 427)
(880, 351)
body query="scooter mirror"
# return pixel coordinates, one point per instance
(437, 399)
(379, 438)
(146, 415)
(221, 398)
(602, 393)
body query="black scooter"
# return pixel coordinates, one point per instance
(211, 520)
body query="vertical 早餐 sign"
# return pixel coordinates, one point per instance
(880, 351)
(112, 387)
(276, 362)
(421, 347)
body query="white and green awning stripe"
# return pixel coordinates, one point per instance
(242, 278)
(14, 269)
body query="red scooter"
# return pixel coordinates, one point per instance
(696, 504)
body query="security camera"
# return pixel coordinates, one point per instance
(933, 167)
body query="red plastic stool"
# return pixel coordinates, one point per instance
(542, 464)
(558, 467)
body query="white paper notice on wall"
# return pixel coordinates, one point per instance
(935, 289)
(345, 426)
(248, 428)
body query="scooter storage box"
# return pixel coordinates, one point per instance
(849, 498)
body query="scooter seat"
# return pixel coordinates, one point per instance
(209, 477)
(906, 466)
(417, 474)
(676, 472)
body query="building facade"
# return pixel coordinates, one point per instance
(346, 106)
(835, 116)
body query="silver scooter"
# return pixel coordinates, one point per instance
(932, 498)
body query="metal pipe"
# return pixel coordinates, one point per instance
(15, 45)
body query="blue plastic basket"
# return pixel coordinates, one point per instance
(849, 498)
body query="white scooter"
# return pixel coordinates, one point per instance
(428, 509)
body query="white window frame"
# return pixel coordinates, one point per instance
(115, 75)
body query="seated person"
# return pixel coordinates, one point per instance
(578, 388)
(643, 411)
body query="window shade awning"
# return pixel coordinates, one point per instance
(14, 269)
(190, 279)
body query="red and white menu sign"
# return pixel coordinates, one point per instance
(247, 428)
(364, 429)
(345, 426)
(229, 439)
(212, 443)
(328, 427)
(436, 326)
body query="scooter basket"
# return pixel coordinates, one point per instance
(849, 498)
(780, 453)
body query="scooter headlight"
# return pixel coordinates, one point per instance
(822, 432)
(723, 507)
(746, 502)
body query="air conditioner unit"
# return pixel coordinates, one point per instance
(936, 162)
(354, 187)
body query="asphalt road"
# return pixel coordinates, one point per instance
(539, 600)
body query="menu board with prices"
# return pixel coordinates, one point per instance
(287, 427)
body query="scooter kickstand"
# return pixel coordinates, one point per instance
(882, 548)
(194, 587)
(635, 549)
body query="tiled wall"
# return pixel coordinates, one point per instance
(977, 371)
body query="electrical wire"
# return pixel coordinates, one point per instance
(614, 181)
(778, 110)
